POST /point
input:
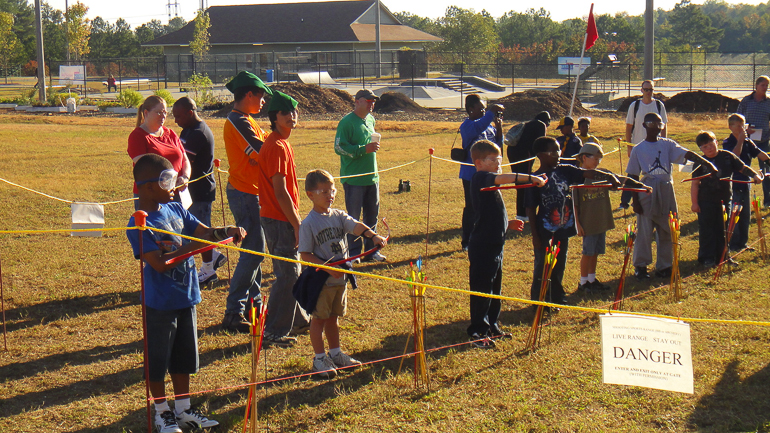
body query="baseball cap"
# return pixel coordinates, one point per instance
(365, 93)
(591, 149)
(566, 121)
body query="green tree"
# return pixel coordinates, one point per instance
(534, 26)
(9, 43)
(78, 29)
(417, 22)
(688, 25)
(200, 45)
(53, 34)
(465, 31)
(174, 24)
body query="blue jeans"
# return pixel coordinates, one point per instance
(283, 312)
(357, 199)
(247, 276)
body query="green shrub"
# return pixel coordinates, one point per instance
(200, 87)
(130, 98)
(166, 95)
(60, 99)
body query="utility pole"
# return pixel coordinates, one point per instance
(378, 45)
(649, 41)
(67, 28)
(172, 5)
(40, 56)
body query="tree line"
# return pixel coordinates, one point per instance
(715, 26)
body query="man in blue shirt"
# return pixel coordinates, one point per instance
(755, 107)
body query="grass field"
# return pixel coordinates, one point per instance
(74, 359)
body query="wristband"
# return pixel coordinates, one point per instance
(220, 234)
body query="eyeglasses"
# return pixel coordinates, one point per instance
(166, 180)
(647, 89)
(332, 191)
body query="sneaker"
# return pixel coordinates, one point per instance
(622, 206)
(324, 367)
(499, 334)
(236, 323)
(219, 260)
(663, 273)
(641, 273)
(598, 285)
(708, 263)
(522, 218)
(194, 419)
(376, 257)
(482, 342)
(207, 276)
(342, 360)
(166, 423)
(283, 341)
(585, 287)
(299, 330)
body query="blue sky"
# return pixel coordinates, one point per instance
(137, 12)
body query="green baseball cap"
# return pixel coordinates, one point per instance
(246, 78)
(281, 102)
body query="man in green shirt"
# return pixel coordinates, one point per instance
(358, 159)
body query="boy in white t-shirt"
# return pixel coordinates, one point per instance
(322, 239)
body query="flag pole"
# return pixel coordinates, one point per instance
(580, 65)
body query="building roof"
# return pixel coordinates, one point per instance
(298, 23)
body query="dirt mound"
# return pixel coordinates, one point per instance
(627, 101)
(392, 102)
(312, 99)
(525, 105)
(701, 102)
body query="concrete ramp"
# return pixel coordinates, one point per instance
(319, 78)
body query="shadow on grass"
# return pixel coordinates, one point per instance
(733, 405)
(51, 311)
(106, 384)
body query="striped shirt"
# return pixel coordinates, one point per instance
(243, 141)
(757, 114)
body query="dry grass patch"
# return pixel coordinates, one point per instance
(74, 359)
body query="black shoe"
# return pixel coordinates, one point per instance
(481, 342)
(584, 287)
(641, 273)
(498, 334)
(663, 273)
(708, 263)
(235, 322)
(598, 285)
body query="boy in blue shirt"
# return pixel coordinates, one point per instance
(171, 291)
(487, 239)
(481, 124)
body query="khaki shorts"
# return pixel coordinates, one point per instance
(333, 301)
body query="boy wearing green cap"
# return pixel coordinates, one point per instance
(243, 143)
(279, 195)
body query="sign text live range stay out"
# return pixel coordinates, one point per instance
(646, 351)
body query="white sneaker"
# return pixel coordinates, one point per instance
(344, 360)
(324, 367)
(219, 259)
(194, 419)
(376, 257)
(166, 423)
(206, 276)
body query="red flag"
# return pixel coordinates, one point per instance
(591, 33)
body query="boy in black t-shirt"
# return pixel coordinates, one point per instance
(485, 245)
(710, 193)
(551, 215)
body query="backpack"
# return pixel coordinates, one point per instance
(514, 134)
(636, 110)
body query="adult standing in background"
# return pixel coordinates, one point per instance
(152, 136)
(755, 107)
(532, 130)
(481, 124)
(243, 141)
(635, 132)
(358, 159)
(198, 141)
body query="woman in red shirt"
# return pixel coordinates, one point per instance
(150, 136)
